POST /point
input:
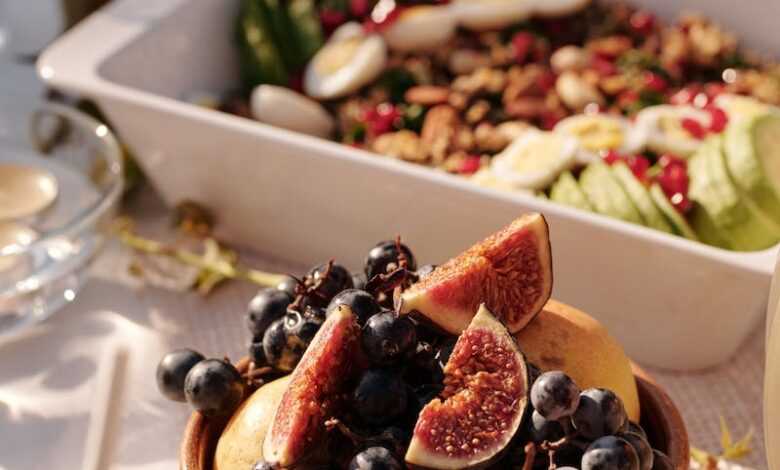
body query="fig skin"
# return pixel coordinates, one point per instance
(510, 272)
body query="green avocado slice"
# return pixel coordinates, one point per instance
(706, 229)
(679, 225)
(566, 191)
(752, 151)
(638, 194)
(744, 225)
(606, 195)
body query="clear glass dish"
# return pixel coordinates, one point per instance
(45, 269)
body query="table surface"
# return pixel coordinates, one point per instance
(47, 377)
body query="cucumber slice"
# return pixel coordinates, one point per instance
(706, 229)
(677, 221)
(744, 225)
(638, 194)
(567, 191)
(607, 196)
(753, 157)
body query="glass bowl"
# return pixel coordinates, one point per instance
(45, 264)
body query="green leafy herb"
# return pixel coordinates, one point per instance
(396, 81)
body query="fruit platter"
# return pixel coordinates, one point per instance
(464, 365)
(597, 106)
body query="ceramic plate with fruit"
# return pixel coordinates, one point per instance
(463, 365)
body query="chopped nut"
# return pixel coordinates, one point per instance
(427, 95)
(438, 131)
(489, 139)
(464, 139)
(610, 46)
(466, 61)
(477, 112)
(527, 107)
(458, 100)
(614, 85)
(569, 58)
(577, 93)
(513, 129)
(404, 144)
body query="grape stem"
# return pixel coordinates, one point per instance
(530, 456)
(221, 267)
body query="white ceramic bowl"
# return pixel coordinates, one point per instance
(673, 303)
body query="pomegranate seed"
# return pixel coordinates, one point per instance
(549, 120)
(603, 67)
(694, 128)
(382, 16)
(470, 165)
(331, 19)
(718, 119)
(611, 157)
(674, 179)
(685, 95)
(655, 82)
(522, 43)
(546, 81)
(381, 119)
(643, 22)
(639, 166)
(359, 8)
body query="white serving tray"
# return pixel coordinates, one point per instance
(673, 303)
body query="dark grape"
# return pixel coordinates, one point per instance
(554, 395)
(359, 281)
(385, 257)
(281, 353)
(256, 353)
(338, 279)
(266, 307)
(380, 397)
(393, 438)
(423, 366)
(300, 329)
(360, 302)
(375, 458)
(610, 453)
(661, 461)
(387, 338)
(173, 369)
(214, 387)
(633, 427)
(600, 413)
(290, 285)
(642, 448)
(543, 429)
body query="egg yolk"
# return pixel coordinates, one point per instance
(335, 56)
(599, 134)
(536, 153)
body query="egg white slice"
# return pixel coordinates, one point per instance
(345, 63)
(556, 8)
(739, 107)
(285, 108)
(485, 15)
(421, 28)
(663, 127)
(598, 133)
(535, 159)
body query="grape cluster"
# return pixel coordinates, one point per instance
(584, 429)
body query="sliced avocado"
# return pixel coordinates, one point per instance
(606, 195)
(706, 229)
(752, 151)
(638, 194)
(566, 191)
(677, 221)
(744, 225)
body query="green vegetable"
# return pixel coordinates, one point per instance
(640, 197)
(396, 81)
(678, 222)
(606, 195)
(413, 117)
(567, 191)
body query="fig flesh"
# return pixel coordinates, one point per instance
(316, 391)
(510, 272)
(482, 404)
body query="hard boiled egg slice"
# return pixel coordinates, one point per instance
(597, 133)
(665, 128)
(484, 15)
(421, 28)
(285, 108)
(739, 107)
(535, 159)
(556, 8)
(346, 63)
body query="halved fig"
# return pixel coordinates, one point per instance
(315, 392)
(510, 272)
(482, 404)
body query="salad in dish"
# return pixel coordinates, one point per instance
(600, 107)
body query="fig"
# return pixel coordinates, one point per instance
(510, 272)
(316, 391)
(482, 404)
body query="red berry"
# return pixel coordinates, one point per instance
(643, 22)
(546, 81)
(674, 179)
(469, 165)
(639, 166)
(522, 43)
(381, 119)
(718, 119)
(611, 157)
(359, 8)
(694, 128)
(655, 82)
(549, 120)
(603, 67)
(331, 19)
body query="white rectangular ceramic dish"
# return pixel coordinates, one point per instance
(672, 303)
